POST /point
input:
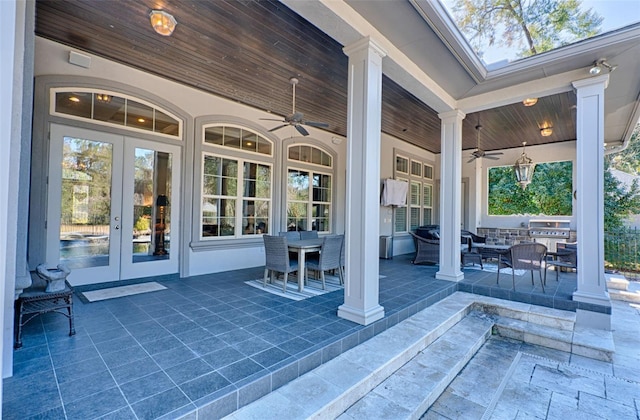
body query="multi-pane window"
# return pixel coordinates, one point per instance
(309, 189)
(308, 201)
(419, 210)
(427, 204)
(237, 168)
(236, 197)
(415, 204)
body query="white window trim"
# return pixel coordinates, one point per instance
(239, 197)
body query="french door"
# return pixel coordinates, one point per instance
(112, 205)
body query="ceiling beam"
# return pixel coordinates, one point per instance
(548, 86)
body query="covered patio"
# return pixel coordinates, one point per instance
(387, 90)
(213, 343)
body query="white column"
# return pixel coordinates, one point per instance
(363, 183)
(590, 200)
(450, 191)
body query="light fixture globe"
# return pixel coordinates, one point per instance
(162, 22)
(523, 168)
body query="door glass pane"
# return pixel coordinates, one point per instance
(151, 206)
(86, 203)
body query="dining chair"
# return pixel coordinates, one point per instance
(291, 235)
(566, 256)
(329, 258)
(277, 259)
(523, 256)
(308, 234)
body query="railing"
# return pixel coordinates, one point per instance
(622, 250)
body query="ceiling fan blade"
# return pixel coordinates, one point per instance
(278, 127)
(494, 154)
(316, 124)
(472, 159)
(301, 130)
(272, 119)
(491, 157)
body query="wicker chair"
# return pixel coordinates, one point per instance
(468, 254)
(523, 256)
(329, 258)
(308, 234)
(427, 250)
(277, 259)
(566, 256)
(291, 235)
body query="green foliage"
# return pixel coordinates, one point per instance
(619, 202)
(533, 25)
(628, 160)
(549, 193)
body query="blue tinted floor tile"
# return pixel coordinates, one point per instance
(95, 405)
(161, 404)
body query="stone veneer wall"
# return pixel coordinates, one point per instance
(512, 236)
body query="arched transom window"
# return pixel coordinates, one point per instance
(114, 109)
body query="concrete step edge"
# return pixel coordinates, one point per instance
(549, 317)
(419, 405)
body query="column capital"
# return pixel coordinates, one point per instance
(455, 114)
(591, 81)
(365, 43)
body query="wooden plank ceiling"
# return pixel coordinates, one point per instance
(246, 51)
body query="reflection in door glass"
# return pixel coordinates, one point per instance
(151, 206)
(86, 203)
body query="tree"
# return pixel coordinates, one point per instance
(621, 202)
(533, 25)
(628, 160)
(549, 192)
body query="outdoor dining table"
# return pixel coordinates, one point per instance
(491, 250)
(303, 247)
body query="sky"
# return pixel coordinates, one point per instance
(616, 14)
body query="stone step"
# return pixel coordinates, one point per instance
(433, 345)
(624, 295)
(616, 282)
(538, 315)
(413, 388)
(330, 389)
(588, 342)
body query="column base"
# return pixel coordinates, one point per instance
(459, 276)
(361, 317)
(595, 320)
(602, 299)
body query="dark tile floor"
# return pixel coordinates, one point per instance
(214, 343)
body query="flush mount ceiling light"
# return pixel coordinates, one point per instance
(523, 168)
(599, 65)
(546, 131)
(162, 22)
(530, 101)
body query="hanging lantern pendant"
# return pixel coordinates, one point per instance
(523, 168)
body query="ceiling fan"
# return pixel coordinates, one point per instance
(295, 119)
(479, 153)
